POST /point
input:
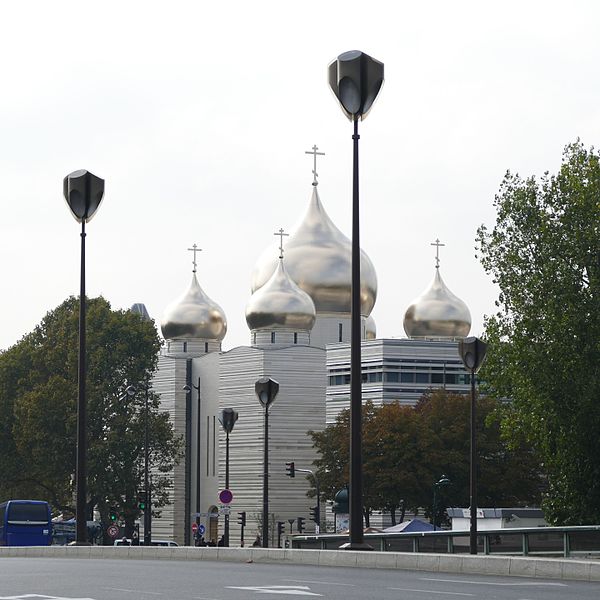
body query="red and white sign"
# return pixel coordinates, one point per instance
(112, 530)
(194, 528)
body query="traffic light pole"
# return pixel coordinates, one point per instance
(318, 490)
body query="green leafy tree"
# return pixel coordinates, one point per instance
(38, 397)
(544, 353)
(406, 450)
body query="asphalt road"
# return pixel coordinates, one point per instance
(104, 579)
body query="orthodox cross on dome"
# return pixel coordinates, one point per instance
(195, 250)
(315, 154)
(437, 244)
(281, 235)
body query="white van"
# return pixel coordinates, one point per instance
(127, 542)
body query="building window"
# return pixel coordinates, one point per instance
(295, 338)
(272, 337)
(205, 346)
(422, 377)
(340, 332)
(214, 445)
(207, 443)
(254, 342)
(185, 346)
(437, 378)
(407, 377)
(392, 377)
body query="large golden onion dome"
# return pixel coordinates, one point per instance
(319, 259)
(280, 304)
(194, 315)
(437, 313)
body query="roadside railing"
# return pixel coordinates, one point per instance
(535, 541)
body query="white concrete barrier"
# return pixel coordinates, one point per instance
(517, 566)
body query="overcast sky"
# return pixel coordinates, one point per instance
(198, 116)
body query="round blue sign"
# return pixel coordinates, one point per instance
(201, 529)
(225, 496)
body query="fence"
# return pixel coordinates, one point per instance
(535, 541)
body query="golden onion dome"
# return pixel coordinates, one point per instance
(194, 315)
(319, 259)
(437, 313)
(280, 304)
(370, 328)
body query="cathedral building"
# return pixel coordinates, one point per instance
(299, 322)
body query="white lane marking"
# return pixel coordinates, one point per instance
(41, 597)
(322, 582)
(296, 590)
(431, 592)
(528, 583)
(132, 591)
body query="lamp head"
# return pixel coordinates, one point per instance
(83, 192)
(355, 78)
(227, 418)
(266, 389)
(130, 390)
(472, 351)
(187, 389)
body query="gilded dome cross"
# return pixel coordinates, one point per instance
(195, 250)
(281, 235)
(315, 154)
(437, 243)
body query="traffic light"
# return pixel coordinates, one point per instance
(141, 500)
(300, 524)
(112, 514)
(242, 518)
(314, 514)
(280, 526)
(290, 469)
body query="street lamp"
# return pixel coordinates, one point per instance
(355, 78)
(472, 352)
(227, 418)
(188, 450)
(443, 481)
(131, 391)
(83, 193)
(266, 390)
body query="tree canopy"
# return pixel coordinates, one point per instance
(544, 351)
(406, 450)
(38, 400)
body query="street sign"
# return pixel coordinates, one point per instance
(194, 528)
(201, 529)
(225, 496)
(112, 531)
(225, 510)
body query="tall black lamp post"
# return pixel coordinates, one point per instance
(355, 79)
(227, 418)
(472, 352)
(443, 481)
(83, 193)
(131, 391)
(266, 389)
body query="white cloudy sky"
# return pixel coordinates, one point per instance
(198, 115)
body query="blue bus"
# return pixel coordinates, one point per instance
(25, 523)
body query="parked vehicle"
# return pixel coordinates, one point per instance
(25, 523)
(127, 542)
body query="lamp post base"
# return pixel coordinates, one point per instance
(355, 546)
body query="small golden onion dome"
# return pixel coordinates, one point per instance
(437, 313)
(370, 328)
(194, 315)
(280, 304)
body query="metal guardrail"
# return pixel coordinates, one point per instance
(534, 541)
